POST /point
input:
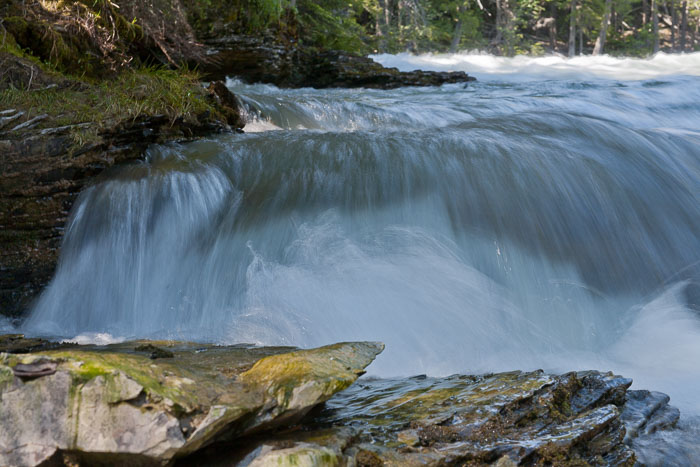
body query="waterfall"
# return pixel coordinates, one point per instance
(546, 216)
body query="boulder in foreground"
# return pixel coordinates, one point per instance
(116, 405)
(150, 403)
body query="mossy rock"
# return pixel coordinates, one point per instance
(104, 402)
(68, 52)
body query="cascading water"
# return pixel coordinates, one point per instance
(546, 216)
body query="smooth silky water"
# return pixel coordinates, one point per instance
(545, 216)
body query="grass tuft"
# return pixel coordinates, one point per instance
(132, 94)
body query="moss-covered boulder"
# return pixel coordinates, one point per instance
(118, 405)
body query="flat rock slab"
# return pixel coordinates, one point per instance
(115, 404)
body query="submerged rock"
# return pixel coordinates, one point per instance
(112, 405)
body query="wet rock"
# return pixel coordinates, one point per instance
(155, 352)
(228, 103)
(35, 369)
(256, 61)
(109, 404)
(646, 412)
(18, 343)
(505, 419)
(342, 70)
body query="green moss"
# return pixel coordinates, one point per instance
(6, 376)
(130, 95)
(90, 370)
(86, 366)
(66, 53)
(560, 406)
(9, 44)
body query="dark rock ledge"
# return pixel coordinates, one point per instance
(255, 61)
(252, 406)
(43, 171)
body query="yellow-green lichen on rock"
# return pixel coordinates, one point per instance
(332, 372)
(115, 401)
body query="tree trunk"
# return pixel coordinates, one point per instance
(505, 26)
(457, 35)
(600, 41)
(684, 24)
(655, 22)
(499, 15)
(508, 18)
(572, 29)
(553, 28)
(387, 16)
(580, 41)
(399, 11)
(645, 12)
(674, 24)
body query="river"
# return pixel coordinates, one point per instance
(544, 216)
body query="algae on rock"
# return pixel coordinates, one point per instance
(107, 402)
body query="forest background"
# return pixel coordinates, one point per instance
(505, 27)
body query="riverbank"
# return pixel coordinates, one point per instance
(58, 133)
(87, 86)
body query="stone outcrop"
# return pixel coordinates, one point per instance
(42, 176)
(114, 405)
(149, 402)
(19, 344)
(256, 61)
(44, 168)
(504, 419)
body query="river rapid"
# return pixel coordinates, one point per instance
(544, 216)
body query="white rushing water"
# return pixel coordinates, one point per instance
(545, 216)
(490, 67)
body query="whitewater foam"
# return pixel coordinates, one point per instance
(484, 66)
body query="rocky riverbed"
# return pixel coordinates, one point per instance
(165, 402)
